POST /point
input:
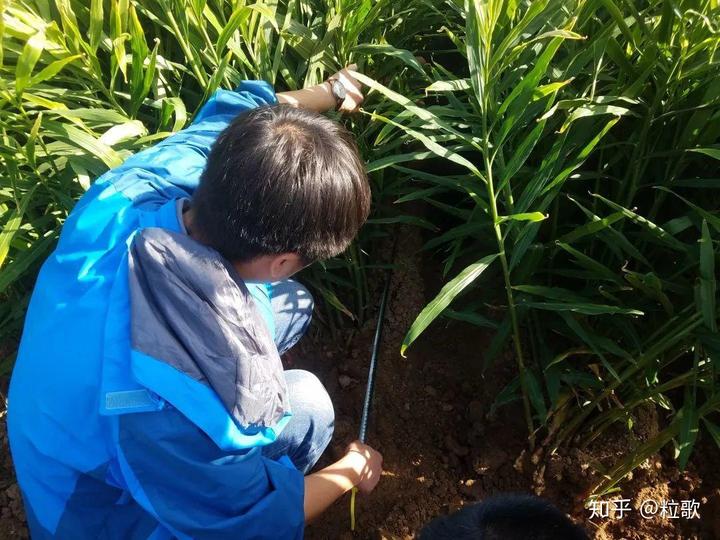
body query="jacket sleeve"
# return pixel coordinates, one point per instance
(172, 167)
(195, 490)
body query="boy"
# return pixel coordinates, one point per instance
(148, 399)
(505, 517)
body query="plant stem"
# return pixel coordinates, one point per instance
(513, 316)
(199, 74)
(508, 285)
(485, 102)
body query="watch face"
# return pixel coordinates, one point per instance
(339, 90)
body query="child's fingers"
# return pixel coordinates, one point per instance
(349, 72)
(356, 95)
(353, 87)
(352, 101)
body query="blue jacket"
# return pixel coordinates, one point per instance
(147, 379)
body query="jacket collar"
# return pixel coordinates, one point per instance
(193, 321)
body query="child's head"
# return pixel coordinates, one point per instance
(283, 187)
(505, 517)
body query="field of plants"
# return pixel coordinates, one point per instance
(558, 163)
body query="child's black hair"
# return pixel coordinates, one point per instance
(505, 517)
(281, 179)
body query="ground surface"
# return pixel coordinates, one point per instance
(442, 450)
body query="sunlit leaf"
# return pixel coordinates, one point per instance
(446, 295)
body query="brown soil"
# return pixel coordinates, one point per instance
(12, 516)
(442, 449)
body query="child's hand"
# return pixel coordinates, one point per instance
(367, 463)
(321, 97)
(353, 87)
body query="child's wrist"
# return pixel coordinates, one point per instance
(326, 87)
(356, 462)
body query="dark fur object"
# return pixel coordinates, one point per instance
(505, 517)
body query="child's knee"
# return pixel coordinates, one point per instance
(309, 394)
(314, 415)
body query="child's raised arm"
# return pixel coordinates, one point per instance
(320, 97)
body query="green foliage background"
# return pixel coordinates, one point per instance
(566, 150)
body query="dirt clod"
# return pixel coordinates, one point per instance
(455, 447)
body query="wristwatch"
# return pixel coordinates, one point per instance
(338, 91)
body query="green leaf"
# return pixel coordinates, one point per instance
(688, 417)
(702, 183)
(96, 24)
(419, 194)
(478, 37)
(712, 152)
(521, 154)
(531, 79)
(650, 285)
(22, 262)
(595, 342)
(524, 216)
(612, 238)
(469, 317)
(123, 132)
(394, 159)
(410, 220)
(708, 286)
(149, 75)
(120, 55)
(174, 105)
(239, 16)
(593, 227)
(600, 270)
(28, 58)
(584, 308)
(448, 86)
(30, 145)
(497, 342)
(656, 230)
(2, 34)
(434, 147)
(443, 299)
(714, 431)
(388, 50)
(51, 70)
(506, 395)
(464, 231)
(217, 76)
(535, 11)
(331, 298)
(593, 110)
(85, 141)
(536, 396)
(554, 293)
(559, 358)
(410, 106)
(12, 225)
(709, 217)
(560, 178)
